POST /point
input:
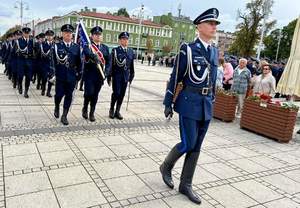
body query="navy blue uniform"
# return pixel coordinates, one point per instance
(92, 78)
(37, 65)
(122, 72)
(67, 64)
(193, 106)
(46, 71)
(25, 51)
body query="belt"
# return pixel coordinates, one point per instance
(201, 91)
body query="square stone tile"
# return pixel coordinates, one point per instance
(180, 201)
(127, 187)
(19, 150)
(230, 197)
(257, 191)
(221, 170)
(155, 182)
(203, 176)
(125, 150)
(114, 140)
(284, 183)
(88, 142)
(155, 147)
(263, 148)
(280, 203)
(205, 158)
(26, 183)
(294, 175)
(22, 162)
(68, 176)
(141, 165)
(36, 200)
(248, 165)
(267, 162)
(142, 138)
(112, 169)
(245, 152)
(61, 157)
(79, 196)
(94, 153)
(150, 204)
(225, 154)
(162, 136)
(52, 146)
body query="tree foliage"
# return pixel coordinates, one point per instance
(121, 12)
(249, 29)
(10, 30)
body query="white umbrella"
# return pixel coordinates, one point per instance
(289, 83)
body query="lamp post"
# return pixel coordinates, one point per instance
(21, 5)
(279, 40)
(141, 15)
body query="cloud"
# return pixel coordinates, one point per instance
(107, 9)
(66, 9)
(228, 22)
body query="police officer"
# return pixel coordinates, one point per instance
(67, 66)
(196, 69)
(122, 72)
(46, 71)
(92, 77)
(25, 51)
(37, 65)
(6, 50)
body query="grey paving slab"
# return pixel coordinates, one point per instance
(141, 165)
(112, 169)
(22, 162)
(286, 203)
(181, 201)
(284, 183)
(59, 157)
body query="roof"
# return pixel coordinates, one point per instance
(119, 18)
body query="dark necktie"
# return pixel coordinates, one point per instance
(125, 50)
(208, 51)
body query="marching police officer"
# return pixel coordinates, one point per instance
(195, 74)
(6, 53)
(25, 51)
(67, 67)
(46, 71)
(92, 76)
(37, 67)
(122, 72)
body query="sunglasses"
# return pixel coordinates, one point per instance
(266, 68)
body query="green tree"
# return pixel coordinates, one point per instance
(271, 41)
(122, 12)
(166, 20)
(249, 30)
(166, 49)
(10, 30)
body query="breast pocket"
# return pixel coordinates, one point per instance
(199, 63)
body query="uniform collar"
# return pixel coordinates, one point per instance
(70, 43)
(205, 44)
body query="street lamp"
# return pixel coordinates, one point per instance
(21, 5)
(279, 40)
(141, 15)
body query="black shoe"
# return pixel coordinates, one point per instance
(14, 85)
(80, 89)
(84, 113)
(37, 86)
(186, 178)
(49, 94)
(26, 94)
(92, 117)
(20, 90)
(117, 113)
(43, 92)
(167, 166)
(63, 118)
(56, 111)
(111, 113)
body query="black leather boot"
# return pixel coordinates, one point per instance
(112, 107)
(117, 113)
(92, 112)
(48, 94)
(85, 108)
(20, 89)
(26, 93)
(63, 118)
(186, 178)
(167, 166)
(56, 110)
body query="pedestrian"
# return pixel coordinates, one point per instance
(67, 67)
(228, 76)
(220, 74)
(195, 69)
(264, 83)
(241, 83)
(122, 72)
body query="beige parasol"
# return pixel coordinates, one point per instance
(289, 83)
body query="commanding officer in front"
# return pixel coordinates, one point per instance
(196, 69)
(67, 67)
(122, 72)
(92, 77)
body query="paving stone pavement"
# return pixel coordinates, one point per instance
(113, 163)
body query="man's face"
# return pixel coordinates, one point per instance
(97, 38)
(26, 35)
(49, 38)
(242, 64)
(207, 29)
(42, 39)
(124, 42)
(67, 36)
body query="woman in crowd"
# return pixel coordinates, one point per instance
(228, 76)
(264, 83)
(220, 73)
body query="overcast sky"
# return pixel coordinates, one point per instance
(284, 11)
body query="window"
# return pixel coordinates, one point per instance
(144, 41)
(115, 38)
(170, 34)
(136, 41)
(191, 27)
(165, 42)
(183, 25)
(108, 25)
(130, 41)
(157, 43)
(108, 37)
(158, 32)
